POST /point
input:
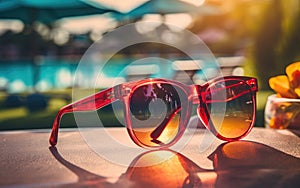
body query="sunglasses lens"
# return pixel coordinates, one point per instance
(155, 113)
(231, 106)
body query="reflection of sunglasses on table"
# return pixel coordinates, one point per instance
(157, 111)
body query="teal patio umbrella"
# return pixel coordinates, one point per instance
(165, 7)
(48, 11)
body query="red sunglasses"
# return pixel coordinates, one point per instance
(157, 111)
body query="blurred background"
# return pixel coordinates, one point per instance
(42, 42)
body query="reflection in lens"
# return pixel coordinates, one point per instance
(155, 111)
(234, 100)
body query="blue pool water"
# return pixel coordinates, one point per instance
(18, 76)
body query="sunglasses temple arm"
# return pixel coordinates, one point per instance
(91, 103)
(158, 131)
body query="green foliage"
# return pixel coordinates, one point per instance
(290, 43)
(277, 39)
(266, 40)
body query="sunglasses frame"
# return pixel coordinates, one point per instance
(196, 94)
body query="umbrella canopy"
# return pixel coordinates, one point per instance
(48, 11)
(165, 7)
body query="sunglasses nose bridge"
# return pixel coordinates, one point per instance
(196, 94)
(196, 99)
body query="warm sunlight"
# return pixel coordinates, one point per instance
(124, 7)
(85, 24)
(181, 20)
(14, 25)
(128, 5)
(194, 2)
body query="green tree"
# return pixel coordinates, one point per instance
(290, 43)
(266, 42)
(277, 40)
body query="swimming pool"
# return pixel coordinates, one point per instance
(49, 73)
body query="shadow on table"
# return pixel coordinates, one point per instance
(236, 164)
(295, 131)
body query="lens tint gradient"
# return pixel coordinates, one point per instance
(155, 113)
(231, 107)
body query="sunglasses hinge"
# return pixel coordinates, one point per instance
(125, 91)
(121, 91)
(110, 95)
(253, 84)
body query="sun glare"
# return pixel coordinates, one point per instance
(195, 2)
(122, 6)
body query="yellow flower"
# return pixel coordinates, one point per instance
(287, 86)
(293, 72)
